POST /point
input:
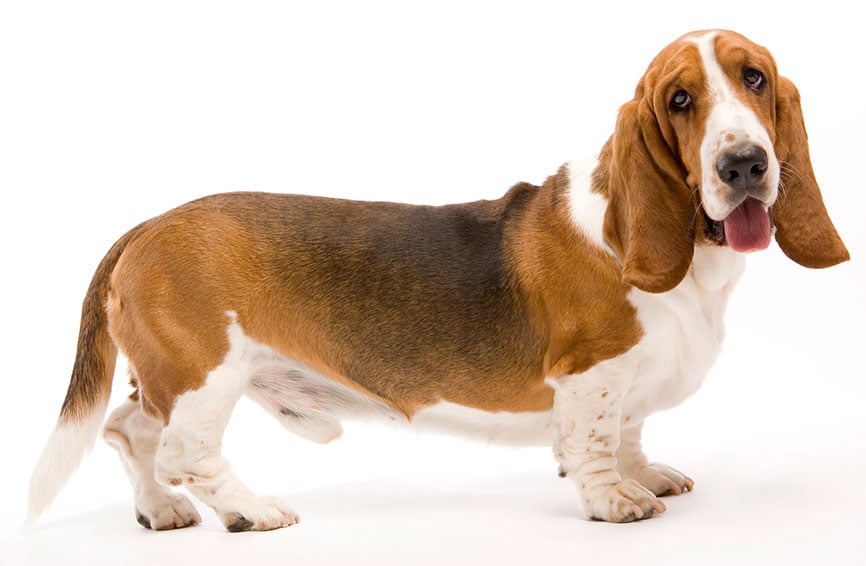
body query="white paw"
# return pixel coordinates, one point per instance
(260, 513)
(621, 502)
(661, 480)
(166, 511)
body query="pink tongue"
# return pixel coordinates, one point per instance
(747, 228)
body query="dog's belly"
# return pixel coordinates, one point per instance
(313, 406)
(516, 429)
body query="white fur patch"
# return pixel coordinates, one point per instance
(683, 332)
(587, 208)
(67, 445)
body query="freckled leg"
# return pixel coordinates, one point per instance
(587, 414)
(658, 478)
(136, 437)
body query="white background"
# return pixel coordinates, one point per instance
(112, 112)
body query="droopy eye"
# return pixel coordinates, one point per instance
(753, 78)
(681, 101)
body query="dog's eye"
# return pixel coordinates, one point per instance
(753, 78)
(681, 101)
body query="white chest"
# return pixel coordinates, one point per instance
(683, 333)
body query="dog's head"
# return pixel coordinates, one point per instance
(712, 149)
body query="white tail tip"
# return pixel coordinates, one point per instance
(60, 458)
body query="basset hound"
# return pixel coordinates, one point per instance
(562, 314)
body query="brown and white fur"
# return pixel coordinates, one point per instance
(563, 314)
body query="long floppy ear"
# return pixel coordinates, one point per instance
(650, 216)
(804, 231)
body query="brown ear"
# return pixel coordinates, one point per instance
(650, 217)
(804, 231)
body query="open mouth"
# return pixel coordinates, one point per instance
(747, 228)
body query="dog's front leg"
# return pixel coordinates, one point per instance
(587, 411)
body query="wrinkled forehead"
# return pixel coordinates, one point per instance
(686, 59)
(732, 52)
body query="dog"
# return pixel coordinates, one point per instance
(562, 314)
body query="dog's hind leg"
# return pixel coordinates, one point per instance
(190, 446)
(136, 437)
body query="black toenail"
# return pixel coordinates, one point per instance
(142, 520)
(240, 525)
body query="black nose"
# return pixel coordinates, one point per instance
(743, 168)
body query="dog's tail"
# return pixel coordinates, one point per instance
(89, 390)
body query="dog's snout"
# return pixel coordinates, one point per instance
(743, 168)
